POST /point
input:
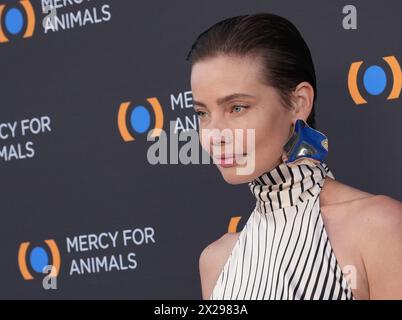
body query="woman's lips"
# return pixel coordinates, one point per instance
(228, 160)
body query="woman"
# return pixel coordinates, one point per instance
(309, 236)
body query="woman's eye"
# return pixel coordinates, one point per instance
(200, 113)
(238, 108)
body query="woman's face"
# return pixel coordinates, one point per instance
(228, 94)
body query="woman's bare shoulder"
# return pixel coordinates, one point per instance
(335, 192)
(338, 194)
(354, 206)
(213, 259)
(377, 224)
(373, 224)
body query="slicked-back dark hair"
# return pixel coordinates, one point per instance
(285, 55)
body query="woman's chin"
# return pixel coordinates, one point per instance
(231, 175)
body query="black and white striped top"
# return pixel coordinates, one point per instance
(283, 251)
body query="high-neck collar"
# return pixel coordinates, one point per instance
(286, 186)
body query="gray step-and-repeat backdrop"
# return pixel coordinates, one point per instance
(78, 97)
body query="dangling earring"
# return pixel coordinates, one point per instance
(305, 145)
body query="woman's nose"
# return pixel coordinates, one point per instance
(219, 132)
(221, 136)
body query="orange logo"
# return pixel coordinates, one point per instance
(13, 20)
(139, 119)
(375, 80)
(38, 259)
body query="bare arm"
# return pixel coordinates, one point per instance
(212, 261)
(382, 248)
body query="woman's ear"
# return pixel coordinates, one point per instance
(303, 97)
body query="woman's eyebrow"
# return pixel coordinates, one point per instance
(225, 99)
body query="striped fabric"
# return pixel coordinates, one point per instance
(283, 251)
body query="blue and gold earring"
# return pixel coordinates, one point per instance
(305, 145)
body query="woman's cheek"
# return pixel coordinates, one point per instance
(204, 141)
